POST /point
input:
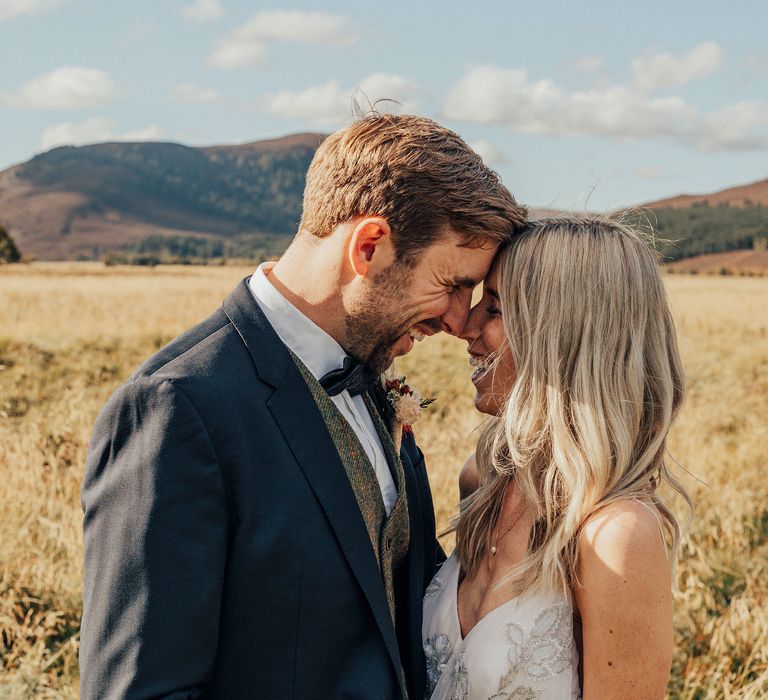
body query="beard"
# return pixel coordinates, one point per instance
(378, 319)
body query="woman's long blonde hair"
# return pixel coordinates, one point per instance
(598, 381)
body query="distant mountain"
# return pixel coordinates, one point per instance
(692, 225)
(753, 194)
(83, 201)
(161, 199)
(158, 198)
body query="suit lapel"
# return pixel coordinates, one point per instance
(416, 550)
(302, 426)
(410, 609)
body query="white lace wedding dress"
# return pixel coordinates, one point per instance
(522, 650)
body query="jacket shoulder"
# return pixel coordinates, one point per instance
(195, 351)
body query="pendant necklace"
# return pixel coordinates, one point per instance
(494, 547)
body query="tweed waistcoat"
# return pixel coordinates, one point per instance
(389, 536)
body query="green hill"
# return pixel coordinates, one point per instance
(256, 189)
(699, 229)
(84, 201)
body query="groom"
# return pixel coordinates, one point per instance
(250, 529)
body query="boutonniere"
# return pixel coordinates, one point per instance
(407, 404)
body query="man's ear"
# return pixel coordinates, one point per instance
(370, 246)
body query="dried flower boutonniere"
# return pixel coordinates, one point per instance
(407, 404)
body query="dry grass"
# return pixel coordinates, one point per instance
(69, 334)
(745, 263)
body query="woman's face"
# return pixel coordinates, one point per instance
(484, 334)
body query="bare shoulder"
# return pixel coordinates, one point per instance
(622, 530)
(468, 479)
(622, 556)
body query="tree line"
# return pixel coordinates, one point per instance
(196, 250)
(700, 229)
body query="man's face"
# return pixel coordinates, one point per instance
(408, 302)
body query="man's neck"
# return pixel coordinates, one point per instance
(310, 281)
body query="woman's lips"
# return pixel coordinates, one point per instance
(481, 366)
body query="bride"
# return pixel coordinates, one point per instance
(562, 534)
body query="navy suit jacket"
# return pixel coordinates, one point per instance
(225, 554)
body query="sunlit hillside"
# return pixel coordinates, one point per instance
(70, 333)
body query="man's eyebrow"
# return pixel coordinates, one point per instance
(466, 282)
(491, 291)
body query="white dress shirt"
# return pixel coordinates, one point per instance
(321, 354)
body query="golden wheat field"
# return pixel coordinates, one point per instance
(70, 333)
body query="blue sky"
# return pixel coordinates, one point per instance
(576, 104)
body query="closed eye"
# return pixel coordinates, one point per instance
(465, 283)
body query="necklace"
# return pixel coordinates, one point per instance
(494, 547)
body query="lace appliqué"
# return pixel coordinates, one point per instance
(434, 587)
(460, 685)
(522, 693)
(541, 655)
(437, 650)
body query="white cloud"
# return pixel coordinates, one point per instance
(656, 70)
(68, 87)
(203, 10)
(648, 172)
(147, 133)
(741, 126)
(298, 27)
(194, 94)
(75, 134)
(238, 54)
(15, 8)
(94, 130)
(586, 64)
(492, 95)
(399, 94)
(490, 154)
(247, 45)
(487, 94)
(331, 103)
(322, 105)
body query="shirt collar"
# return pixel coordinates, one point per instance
(314, 347)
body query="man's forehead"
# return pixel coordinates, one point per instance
(469, 265)
(459, 263)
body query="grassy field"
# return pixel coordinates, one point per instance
(748, 263)
(70, 333)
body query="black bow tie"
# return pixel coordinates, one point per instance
(352, 376)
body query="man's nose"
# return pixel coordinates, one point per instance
(471, 331)
(454, 320)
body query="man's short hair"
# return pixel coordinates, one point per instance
(417, 175)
